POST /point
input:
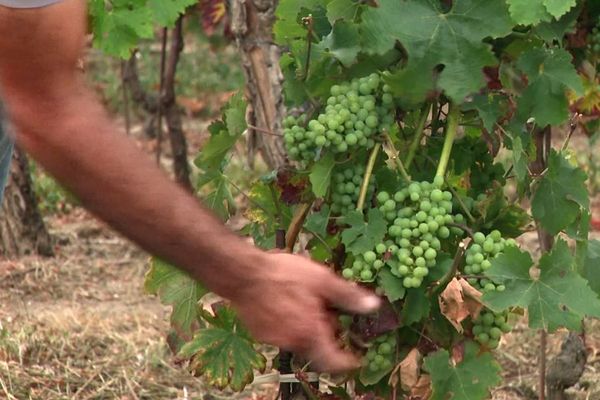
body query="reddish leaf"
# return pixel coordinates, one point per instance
(213, 13)
(291, 186)
(372, 326)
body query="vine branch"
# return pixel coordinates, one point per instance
(419, 132)
(364, 187)
(451, 127)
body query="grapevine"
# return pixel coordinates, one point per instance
(410, 120)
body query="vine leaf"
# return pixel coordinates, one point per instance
(560, 196)
(590, 269)
(343, 42)
(166, 12)
(531, 12)
(219, 200)
(342, 9)
(557, 297)
(118, 30)
(458, 301)
(317, 221)
(391, 285)
(472, 378)
(224, 353)
(362, 236)
(550, 74)
(320, 175)
(432, 38)
(416, 307)
(118, 26)
(177, 289)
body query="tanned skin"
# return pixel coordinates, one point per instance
(63, 127)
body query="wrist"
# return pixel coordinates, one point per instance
(236, 272)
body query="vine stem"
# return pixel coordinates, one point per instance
(364, 187)
(462, 204)
(420, 131)
(396, 158)
(543, 142)
(451, 127)
(296, 226)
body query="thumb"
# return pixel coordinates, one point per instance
(348, 296)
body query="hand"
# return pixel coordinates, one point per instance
(290, 306)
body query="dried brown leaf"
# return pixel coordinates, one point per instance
(458, 301)
(410, 369)
(422, 390)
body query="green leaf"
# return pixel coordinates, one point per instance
(224, 135)
(550, 74)
(362, 236)
(490, 108)
(235, 115)
(320, 175)
(289, 14)
(557, 29)
(391, 285)
(590, 269)
(558, 8)
(343, 42)
(472, 378)
(224, 353)
(528, 12)
(342, 9)
(219, 200)
(166, 12)
(118, 30)
(432, 37)
(560, 195)
(416, 307)
(558, 297)
(177, 289)
(317, 222)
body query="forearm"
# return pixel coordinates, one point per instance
(74, 140)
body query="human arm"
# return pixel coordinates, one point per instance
(64, 128)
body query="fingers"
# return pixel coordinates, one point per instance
(326, 354)
(347, 296)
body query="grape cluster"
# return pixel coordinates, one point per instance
(346, 188)
(355, 112)
(488, 327)
(418, 215)
(364, 267)
(479, 255)
(380, 355)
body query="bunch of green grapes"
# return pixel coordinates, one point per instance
(381, 353)
(419, 215)
(346, 189)
(355, 112)
(364, 267)
(478, 259)
(488, 327)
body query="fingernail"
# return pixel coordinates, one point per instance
(370, 303)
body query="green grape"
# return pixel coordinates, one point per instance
(347, 273)
(483, 337)
(369, 256)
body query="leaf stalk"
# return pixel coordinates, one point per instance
(364, 187)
